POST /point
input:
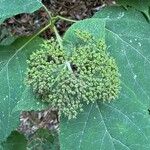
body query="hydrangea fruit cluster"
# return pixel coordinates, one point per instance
(89, 74)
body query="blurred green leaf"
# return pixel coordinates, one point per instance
(9, 8)
(16, 141)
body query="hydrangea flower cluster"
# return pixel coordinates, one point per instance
(89, 74)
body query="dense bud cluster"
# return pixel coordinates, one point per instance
(67, 82)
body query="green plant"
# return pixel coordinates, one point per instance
(121, 124)
(66, 81)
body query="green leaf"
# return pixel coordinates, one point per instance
(43, 139)
(125, 123)
(70, 39)
(87, 25)
(141, 5)
(16, 141)
(12, 72)
(9, 8)
(29, 102)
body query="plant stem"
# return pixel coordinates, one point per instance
(57, 17)
(43, 29)
(52, 21)
(59, 39)
(66, 19)
(48, 12)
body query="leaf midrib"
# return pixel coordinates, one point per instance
(84, 127)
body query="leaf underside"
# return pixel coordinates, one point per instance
(9, 8)
(124, 123)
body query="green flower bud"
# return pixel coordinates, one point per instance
(89, 74)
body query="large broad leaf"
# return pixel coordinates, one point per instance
(10, 8)
(141, 5)
(125, 123)
(12, 88)
(16, 141)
